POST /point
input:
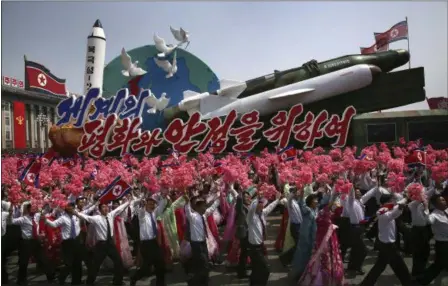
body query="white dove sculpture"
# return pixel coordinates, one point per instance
(169, 68)
(130, 68)
(162, 47)
(157, 104)
(180, 35)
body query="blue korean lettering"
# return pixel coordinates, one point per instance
(133, 105)
(109, 106)
(76, 108)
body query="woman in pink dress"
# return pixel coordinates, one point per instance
(325, 266)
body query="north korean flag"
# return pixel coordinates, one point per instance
(416, 158)
(116, 190)
(48, 157)
(30, 175)
(374, 49)
(38, 78)
(287, 153)
(218, 167)
(397, 32)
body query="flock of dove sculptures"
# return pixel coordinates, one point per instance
(131, 69)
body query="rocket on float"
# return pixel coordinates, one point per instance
(95, 58)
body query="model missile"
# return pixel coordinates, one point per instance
(308, 91)
(95, 57)
(386, 61)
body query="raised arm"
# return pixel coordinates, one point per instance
(269, 208)
(251, 212)
(212, 208)
(56, 223)
(88, 210)
(180, 202)
(393, 214)
(160, 207)
(370, 194)
(121, 208)
(87, 218)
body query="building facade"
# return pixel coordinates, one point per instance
(34, 118)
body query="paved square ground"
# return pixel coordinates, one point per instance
(220, 276)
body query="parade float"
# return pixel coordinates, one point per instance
(161, 96)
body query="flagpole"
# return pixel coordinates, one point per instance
(409, 50)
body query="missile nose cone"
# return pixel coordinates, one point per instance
(404, 55)
(97, 24)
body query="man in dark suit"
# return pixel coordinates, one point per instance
(242, 207)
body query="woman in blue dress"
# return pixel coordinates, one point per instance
(309, 209)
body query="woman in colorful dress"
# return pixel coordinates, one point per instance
(306, 237)
(325, 266)
(168, 219)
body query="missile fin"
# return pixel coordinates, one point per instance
(292, 93)
(226, 83)
(189, 93)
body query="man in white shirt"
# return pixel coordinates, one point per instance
(439, 224)
(256, 221)
(355, 210)
(388, 252)
(150, 249)
(421, 235)
(295, 220)
(196, 215)
(31, 244)
(105, 245)
(71, 244)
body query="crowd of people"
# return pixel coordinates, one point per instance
(211, 210)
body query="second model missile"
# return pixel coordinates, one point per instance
(386, 61)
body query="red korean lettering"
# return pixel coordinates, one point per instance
(218, 133)
(302, 131)
(339, 127)
(179, 134)
(244, 134)
(148, 140)
(282, 124)
(96, 135)
(316, 131)
(123, 135)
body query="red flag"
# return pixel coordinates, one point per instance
(374, 49)
(39, 78)
(287, 153)
(48, 157)
(30, 175)
(19, 125)
(437, 102)
(116, 190)
(416, 157)
(397, 32)
(6, 80)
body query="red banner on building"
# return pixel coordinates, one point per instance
(19, 125)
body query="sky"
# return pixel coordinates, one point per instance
(238, 40)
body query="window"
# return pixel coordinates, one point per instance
(429, 132)
(7, 118)
(377, 133)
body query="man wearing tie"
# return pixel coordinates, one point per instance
(196, 216)
(354, 207)
(31, 244)
(256, 221)
(150, 249)
(242, 208)
(71, 244)
(105, 245)
(388, 252)
(295, 218)
(439, 224)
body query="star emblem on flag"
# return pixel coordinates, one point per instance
(42, 79)
(31, 177)
(117, 190)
